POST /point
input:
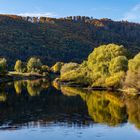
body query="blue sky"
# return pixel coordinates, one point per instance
(114, 9)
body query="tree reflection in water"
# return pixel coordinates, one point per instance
(30, 103)
(111, 108)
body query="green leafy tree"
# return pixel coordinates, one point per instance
(134, 64)
(118, 64)
(106, 60)
(133, 75)
(3, 66)
(34, 65)
(20, 66)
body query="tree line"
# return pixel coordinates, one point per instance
(33, 65)
(108, 66)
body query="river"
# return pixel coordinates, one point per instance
(41, 110)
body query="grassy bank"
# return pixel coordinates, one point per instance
(19, 75)
(12, 75)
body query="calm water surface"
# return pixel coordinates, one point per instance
(41, 110)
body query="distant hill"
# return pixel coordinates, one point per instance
(64, 39)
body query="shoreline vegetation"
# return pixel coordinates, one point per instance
(108, 67)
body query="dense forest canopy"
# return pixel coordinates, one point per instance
(64, 39)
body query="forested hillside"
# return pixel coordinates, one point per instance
(64, 39)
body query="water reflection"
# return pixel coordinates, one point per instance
(34, 87)
(103, 106)
(40, 103)
(32, 103)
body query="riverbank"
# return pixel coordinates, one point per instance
(12, 76)
(15, 76)
(125, 90)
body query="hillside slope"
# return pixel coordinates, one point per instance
(65, 39)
